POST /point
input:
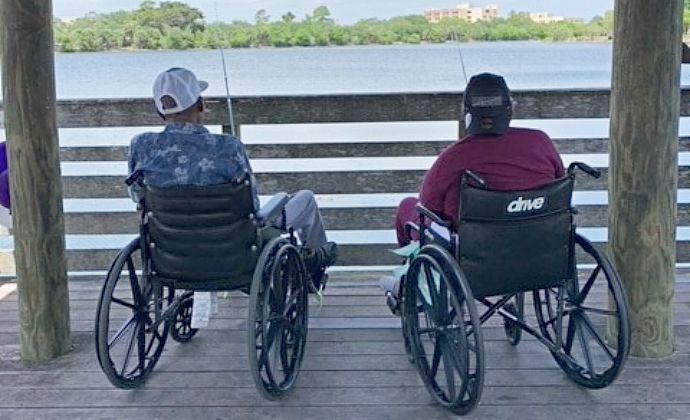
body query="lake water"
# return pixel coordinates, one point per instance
(399, 68)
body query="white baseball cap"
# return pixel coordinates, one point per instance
(179, 84)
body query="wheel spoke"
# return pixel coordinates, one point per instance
(128, 353)
(587, 323)
(449, 368)
(134, 280)
(433, 293)
(442, 300)
(599, 311)
(267, 344)
(585, 347)
(123, 303)
(570, 336)
(142, 348)
(436, 358)
(588, 286)
(291, 301)
(121, 331)
(566, 312)
(284, 360)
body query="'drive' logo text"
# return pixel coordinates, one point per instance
(521, 204)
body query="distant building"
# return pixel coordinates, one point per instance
(541, 17)
(465, 12)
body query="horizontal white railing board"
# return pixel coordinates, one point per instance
(401, 163)
(343, 237)
(330, 201)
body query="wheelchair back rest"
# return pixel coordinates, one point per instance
(515, 241)
(201, 234)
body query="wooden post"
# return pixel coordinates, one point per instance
(36, 187)
(643, 176)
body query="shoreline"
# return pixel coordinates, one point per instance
(396, 44)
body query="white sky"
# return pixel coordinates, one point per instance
(344, 11)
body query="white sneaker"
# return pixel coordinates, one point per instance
(390, 284)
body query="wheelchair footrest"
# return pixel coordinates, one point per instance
(393, 303)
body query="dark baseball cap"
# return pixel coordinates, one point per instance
(487, 97)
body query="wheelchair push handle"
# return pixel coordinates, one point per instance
(474, 177)
(136, 176)
(584, 168)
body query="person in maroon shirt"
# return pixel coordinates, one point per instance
(508, 159)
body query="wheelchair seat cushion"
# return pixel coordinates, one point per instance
(515, 241)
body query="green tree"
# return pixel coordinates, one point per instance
(322, 14)
(175, 25)
(288, 17)
(261, 17)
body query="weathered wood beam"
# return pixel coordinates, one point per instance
(31, 127)
(643, 174)
(296, 109)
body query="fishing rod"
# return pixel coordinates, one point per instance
(462, 126)
(454, 37)
(231, 115)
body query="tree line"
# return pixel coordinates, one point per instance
(175, 25)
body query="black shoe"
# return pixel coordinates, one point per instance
(317, 260)
(322, 257)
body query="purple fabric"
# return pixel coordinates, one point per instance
(520, 159)
(4, 177)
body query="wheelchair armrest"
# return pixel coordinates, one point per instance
(272, 209)
(136, 176)
(433, 216)
(411, 227)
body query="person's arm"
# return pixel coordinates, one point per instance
(135, 190)
(436, 183)
(242, 161)
(554, 157)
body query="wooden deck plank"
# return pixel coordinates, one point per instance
(392, 412)
(351, 370)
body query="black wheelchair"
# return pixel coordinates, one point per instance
(504, 245)
(204, 239)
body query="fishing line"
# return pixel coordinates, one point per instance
(454, 37)
(462, 126)
(225, 75)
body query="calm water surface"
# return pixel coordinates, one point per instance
(400, 68)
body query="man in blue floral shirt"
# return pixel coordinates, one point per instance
(186, 153)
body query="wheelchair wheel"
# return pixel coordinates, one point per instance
(444, 330)
(130, 331)
(182, 330)
(517, 308)
(278, 318)
(588, 321)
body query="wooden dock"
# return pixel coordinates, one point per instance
(355, 368)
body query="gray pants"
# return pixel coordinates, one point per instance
(302, 214)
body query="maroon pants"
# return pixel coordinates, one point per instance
(406, 213)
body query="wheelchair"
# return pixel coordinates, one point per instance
(507, 244)
(204, 239)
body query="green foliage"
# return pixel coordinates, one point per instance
(175, 25)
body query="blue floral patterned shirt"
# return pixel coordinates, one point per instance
(188, 154)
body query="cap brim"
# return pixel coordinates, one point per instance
(203, 85)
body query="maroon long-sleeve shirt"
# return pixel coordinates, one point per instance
(520, 159)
